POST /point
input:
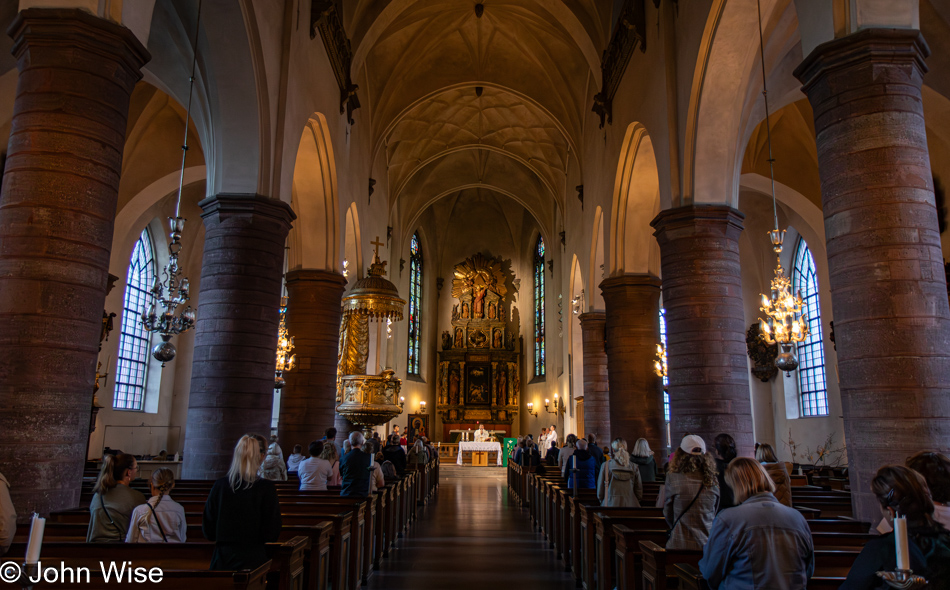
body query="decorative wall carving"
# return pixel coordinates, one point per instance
(325, 19)
(629, 33)
(762, 354)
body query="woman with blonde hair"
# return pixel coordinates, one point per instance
(643, 459)
(765, 455)
(160, 519)
(760, 543)
(332, 455)
(692, 495)
(242, 513)
(113, 501)
(619, 481)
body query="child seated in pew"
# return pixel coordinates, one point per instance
(160, 519)
(113, 500)
(903, 491)
(242, 513)
(759, 543)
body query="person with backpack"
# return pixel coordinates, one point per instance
(160, 519)
(692, 495)
(619, 481)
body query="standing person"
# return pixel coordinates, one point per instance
(765, 455)
(618, 483)
(552, 435)
(7, 516)
(330, 437)
(315, 472)
(294, 460)
(595, 450)
(394, 453)
(760, 543)
(643, 459)
(160, 519)
(564, 456)
(354, 468)
(273, 467)
(543, 437)
(586, 466)
(692, 495)
(113, 500)
(242, 513)
(376, 480)
(901, 490)
(550, 458)
(725, 447)
(276, 447)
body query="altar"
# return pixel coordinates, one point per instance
(479, 447)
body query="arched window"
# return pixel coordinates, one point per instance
(134, 341)
(539, 308)
(811, 353)
(415, 305)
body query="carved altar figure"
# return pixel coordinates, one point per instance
(492, 311)
(497, 339)
(446, 340)
(465, 311)
(501, 387)
(479, 303)
(459, 338)
(454, 382)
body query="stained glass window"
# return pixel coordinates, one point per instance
(666, 380)
(539, 308)
(812, 382)
(134, 341)
(415, 305)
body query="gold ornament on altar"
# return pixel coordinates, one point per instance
(367, 400)
(286, 361)
(478, 276)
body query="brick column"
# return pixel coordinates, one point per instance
(596, 387)
(308, 400)
(633, 329)
(888, 289)
(232, 378)
(57, 211)
(705, 325)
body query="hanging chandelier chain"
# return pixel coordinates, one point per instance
(768, 124)
(191, 89)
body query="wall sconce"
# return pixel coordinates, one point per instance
(402, 402)
(558, 406)
(422, 407)
(578, 303)
(346, 271)
(531, 409)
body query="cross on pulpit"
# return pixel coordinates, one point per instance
(377, 243)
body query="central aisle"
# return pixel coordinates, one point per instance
(471, 537)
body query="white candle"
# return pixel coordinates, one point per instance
(900, 543)
(35, 542)
(372, 460)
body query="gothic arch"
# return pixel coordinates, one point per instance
(314, 239)
(352, 239)
(596, 269)
(636, 202)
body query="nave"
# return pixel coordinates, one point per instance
(473, 535)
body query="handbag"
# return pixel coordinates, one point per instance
(669, 533)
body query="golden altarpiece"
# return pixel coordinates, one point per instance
(479, 379)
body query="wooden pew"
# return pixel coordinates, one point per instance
(831, 569)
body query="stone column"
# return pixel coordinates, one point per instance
(57, 211)
(888, 288)
(232, 378)
(633, 330)
(308, 400)
(705, 325)
(596, 388)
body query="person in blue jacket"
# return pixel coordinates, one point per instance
(586, 466)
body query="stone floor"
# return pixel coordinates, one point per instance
(471, 536)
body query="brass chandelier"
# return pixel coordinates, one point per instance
(173, 292)
(286, 360)
(785, 323)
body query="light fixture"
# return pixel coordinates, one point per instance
(578, 303)
(173, 292)
(784, 322)
(285, 345)
(389, 328)
(346, 272)
(422, 407)
(531, 409)
(402, 402)
(659, 365)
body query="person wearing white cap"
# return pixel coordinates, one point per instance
(692, 495)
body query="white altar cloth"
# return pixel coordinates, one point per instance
(479, 446)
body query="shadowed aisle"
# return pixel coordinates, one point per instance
(471, 537)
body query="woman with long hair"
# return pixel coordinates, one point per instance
(642, 457)
(760, 543)
(160, 519)
(902, 491)
(242, 513)
(113, 500)
(765, 455)
(619, 481)
(564, 455)
(726, 451)
(692, 495)
(274, 467)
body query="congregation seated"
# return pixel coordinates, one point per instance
(765, 455)
(618, 483)
(354, 468)
(595, 450)
(582, 470)
(7, 516)
(760, 543)
(642, 457)
(564, 455)
(417, 454)
(395, 454)
(550, 458)
(316, 472)
(691, 495)
(376, 480)
(274, 467)
(530, 456)
(242, 512)
(901, 490)
(113, 500)
(935, 467)
(160, 519)
(389, 472)
(293, 461)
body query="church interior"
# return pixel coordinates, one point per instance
(626, 218)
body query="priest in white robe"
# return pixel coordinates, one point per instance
(482, 435)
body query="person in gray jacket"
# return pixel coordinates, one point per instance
(619, 481)
(760, 543)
